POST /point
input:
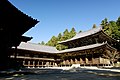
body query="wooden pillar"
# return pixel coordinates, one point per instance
(64, 62)
(50, 64)
(92, 60)
(15, 55)
(71, 61)
(47, 64)
(38, 64)
(99, 60)
(86, 60)
(56, 65)
(42, 64)
(76, 61)
(81, 61)
(28, 64)
(33, 64)
(103, 62)
(23, 63)
(67, 62)
(53, 63)
(92, 57)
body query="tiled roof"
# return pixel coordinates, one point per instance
(37, 47)
(84, 34)
(86, 47)
(49, 49)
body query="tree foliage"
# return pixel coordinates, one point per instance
(52, 41)
(66, 35)
(61, 37)
(42, 43)
(72, 33)
(112, 28)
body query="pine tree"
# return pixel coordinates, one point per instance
(104, 24)
(118, 22)
(111, 28)
(59, 36)
(65, 35)
(42, 43)
(52, 42)
(80, 31)
(72, 33)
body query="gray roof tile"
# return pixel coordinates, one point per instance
(84, 34)
(49, 49)
(37, 47)
(86, 47)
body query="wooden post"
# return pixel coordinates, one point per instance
(28, 64)
(15, 55)
(33, 64)
(71, 61)
(81, 60)
(53, 63)
(76, 61)
(23, 63)
(86, 60)
(38, 64)
(42, 64)
(50, 64)
(92, 60)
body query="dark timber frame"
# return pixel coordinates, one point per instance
(13, 24)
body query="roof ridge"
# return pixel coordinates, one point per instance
(100, 28)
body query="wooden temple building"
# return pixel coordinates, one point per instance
(86, 48)
(13, 24)
(35, 55)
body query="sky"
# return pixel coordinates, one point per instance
(57, 15)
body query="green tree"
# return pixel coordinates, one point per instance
(111, 28)
(104, 24)
(118, 22)
(65, 35)
(72, 33)
(80, 31)
(61, 47)
(52, 42)
(42, 43)
(59, 36)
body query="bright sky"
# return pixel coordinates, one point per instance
(57, 15)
